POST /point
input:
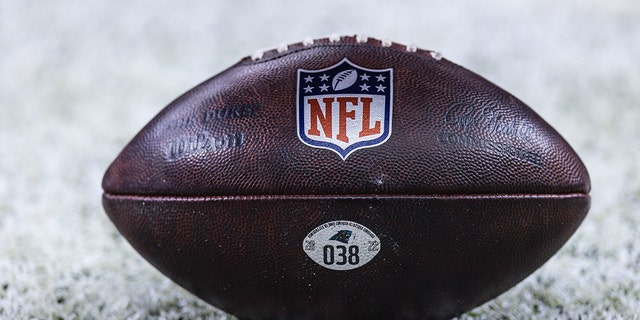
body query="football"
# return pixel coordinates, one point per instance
(347, 177)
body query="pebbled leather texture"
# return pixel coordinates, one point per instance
(471, 192)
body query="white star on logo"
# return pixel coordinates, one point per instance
(309, 78)
(364, 87)
(364, 77)
(308, 89)
(324, 77)
(380, 78)
(324, 87)
(380, 88)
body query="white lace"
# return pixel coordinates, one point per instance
(335, 38)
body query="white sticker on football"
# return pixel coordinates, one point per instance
(341, 245)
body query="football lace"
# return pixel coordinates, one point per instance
(335, 38)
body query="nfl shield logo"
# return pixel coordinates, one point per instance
(344, 107)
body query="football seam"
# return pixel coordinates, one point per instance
(346, 196)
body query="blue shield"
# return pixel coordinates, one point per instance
(344, 107)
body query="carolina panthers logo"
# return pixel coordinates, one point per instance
(342, 236)
(344, 107)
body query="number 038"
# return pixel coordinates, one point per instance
(341, 255)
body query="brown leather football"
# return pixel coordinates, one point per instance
(347, 178)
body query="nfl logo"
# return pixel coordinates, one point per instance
(344, 107)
